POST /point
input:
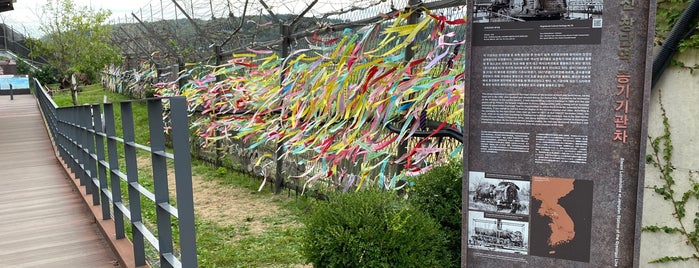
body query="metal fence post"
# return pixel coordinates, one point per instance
(402, 148)
(65, 132)
(78, 153)
(132, 180)
(90, 155)
(160, 185)
(183, 179)
(286, 44)
(219, 146)
(61, 134)
(80, 134)
(98, 135)
(113, 156)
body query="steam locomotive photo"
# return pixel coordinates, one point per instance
(495, 234)
(504, 196)
(527, 10)
(497, 238)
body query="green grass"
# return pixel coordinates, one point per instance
(219, 245)
(94, 94)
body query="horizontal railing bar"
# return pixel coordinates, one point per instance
(98, 133)
(172, 260)
(79, 139)
(109, 194)
(169, 208)
(104, 164)
(115, 138)
(119, 174)
(148, 149)
(124, 210)
(164, 154)
(143, 191)
(147, 234)
(46, 96)
(93, 156)
(138, 146)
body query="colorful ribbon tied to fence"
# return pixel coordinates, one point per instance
(336, 99)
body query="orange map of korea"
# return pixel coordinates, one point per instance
(549, 190)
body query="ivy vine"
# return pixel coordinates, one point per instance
(669, 11)
(661, 159)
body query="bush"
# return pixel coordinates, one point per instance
(45, 74)
(438, 193)
(372, 229)
(23, 67)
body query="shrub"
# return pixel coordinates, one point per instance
(371, 228)
(45, 74)
(438, 193)
(23, 67)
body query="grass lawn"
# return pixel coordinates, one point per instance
(236, 225)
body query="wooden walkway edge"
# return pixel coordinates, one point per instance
(43, 220)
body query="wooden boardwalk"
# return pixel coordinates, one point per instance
(43, 220)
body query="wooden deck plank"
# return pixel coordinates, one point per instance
(43, 221)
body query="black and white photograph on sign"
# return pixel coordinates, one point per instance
(498, 195)
(486, 11)
(537, 22)
(497, 235)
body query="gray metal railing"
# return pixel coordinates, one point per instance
(81, 134)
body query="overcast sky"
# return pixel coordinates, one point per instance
(25, 13)
(25, 18)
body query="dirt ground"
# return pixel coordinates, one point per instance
(224, 204)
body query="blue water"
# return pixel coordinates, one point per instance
(17, 83)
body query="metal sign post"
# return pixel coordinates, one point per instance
(555, 132)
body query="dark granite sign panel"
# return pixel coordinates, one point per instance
(556, 117)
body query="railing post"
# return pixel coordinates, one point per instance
(132, 181)
(97, 127)
(160, 185)
(60, 134)
(81, 134)
(89, 149)
(66, 131)
(76, 139)
(113, 155)
(183, 180)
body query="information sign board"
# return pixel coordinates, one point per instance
(557, 106)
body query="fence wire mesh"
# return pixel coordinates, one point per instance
(169, 34)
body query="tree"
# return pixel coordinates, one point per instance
(76, 39)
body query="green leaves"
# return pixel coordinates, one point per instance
(76, 39)
(667, 14)
(372, 228)
(667, 259)
(666, 229)
(438, 192)
(661, 159)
